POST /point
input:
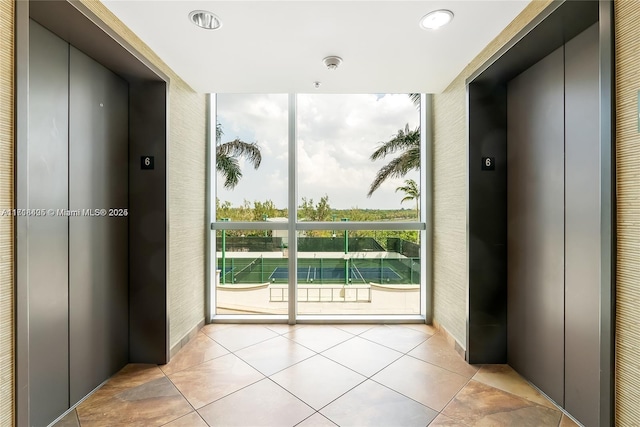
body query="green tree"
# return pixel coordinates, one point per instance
(407, 143)
(227, 157)
(262, 210)
(410, 189)
(318, 212)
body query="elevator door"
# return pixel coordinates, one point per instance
(535, 228)
(554, 226)
(78, 251)
(48, 259)
(98, 254)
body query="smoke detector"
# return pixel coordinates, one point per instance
(332, 62)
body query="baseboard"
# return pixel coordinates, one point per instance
(185, 339)
(459, 348)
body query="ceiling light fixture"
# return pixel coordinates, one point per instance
(332, 62)
(204, 19)
(436, 19)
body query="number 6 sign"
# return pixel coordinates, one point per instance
(488, 163)
(146, 162)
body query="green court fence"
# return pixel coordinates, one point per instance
(336, 244)
(404, 247)
(251, 244)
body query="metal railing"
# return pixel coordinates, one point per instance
(323, 294)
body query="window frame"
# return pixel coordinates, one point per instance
(293, 226)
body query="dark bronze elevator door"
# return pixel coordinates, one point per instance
(98, 238)
(554, 226)
(77, 253)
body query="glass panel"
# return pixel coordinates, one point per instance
(251, 274)
(252, 127)
(358, 272)
(337, 137)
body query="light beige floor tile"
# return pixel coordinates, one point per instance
(505, 378)
(274, 354)
(131, 376)
(261, 404)
(316, 420)
(152, 403)
(318, 337)
(318, 380)
(207, 376)
(567, 422)
(216, 327)
(421, 327)
(482, 405)
(354, 329)
(363, 356)
(200, 349)
(189, 420)
(241, 336)
(69, 420)
(282, 328)
(214, 379)
(444, 421)
(437, 351)
(428, 384)
(371, 404)
(396, 337)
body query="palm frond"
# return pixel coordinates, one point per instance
(229, 169)
(239, 148)
(410, 189)
(395, 168)
(415, 98)
(403, 140)
(407, 199)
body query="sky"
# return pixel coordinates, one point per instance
(336, 136)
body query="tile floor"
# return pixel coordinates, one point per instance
(316, 375)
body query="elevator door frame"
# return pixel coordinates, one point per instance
(486, 199)
(148, 190)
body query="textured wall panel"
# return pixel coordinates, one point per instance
(187, 165)
(6, 222)
(450, 186)
(627, 16)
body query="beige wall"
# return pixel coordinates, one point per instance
(627, 19)
(450, 187)
(187, 178)
(6, 222)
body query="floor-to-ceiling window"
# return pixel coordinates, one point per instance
(316, 205)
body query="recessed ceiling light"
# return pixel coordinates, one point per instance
(204, 19)
(436, 19)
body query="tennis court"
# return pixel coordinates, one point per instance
(364, 274)
(322, 270)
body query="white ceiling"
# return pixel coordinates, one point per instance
(278, 46)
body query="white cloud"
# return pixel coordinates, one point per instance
(336, 136)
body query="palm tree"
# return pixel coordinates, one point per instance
(415, 98)
(227, 157)
(410, 189)
(408, 143)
